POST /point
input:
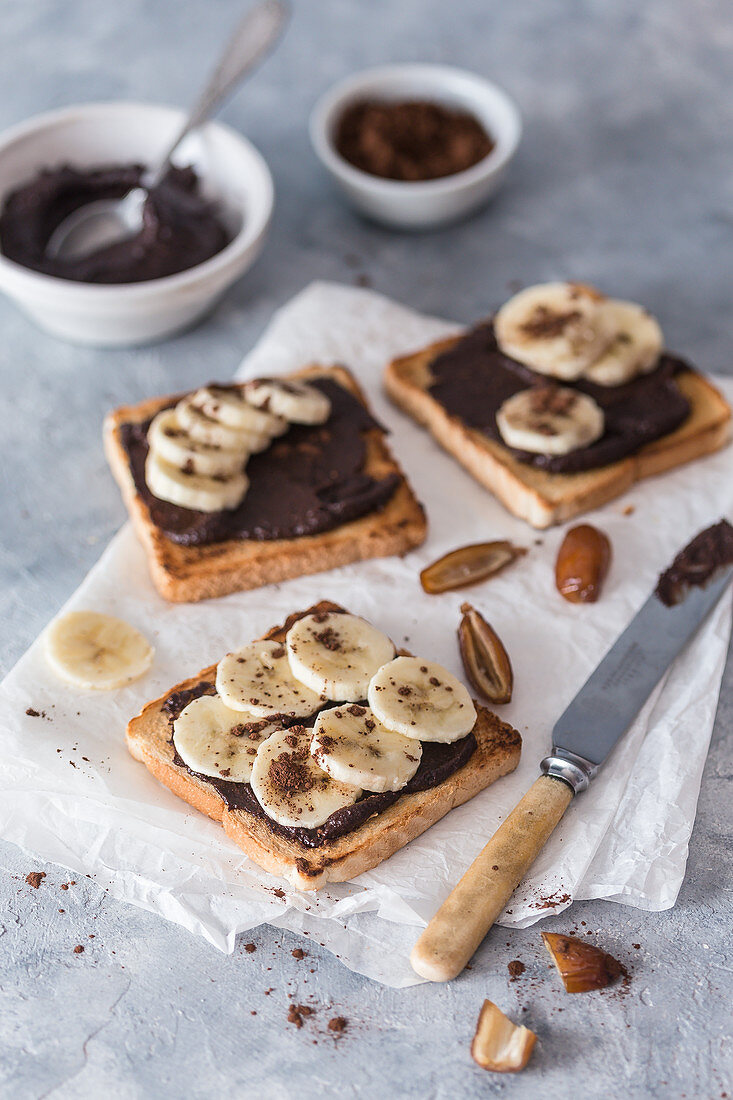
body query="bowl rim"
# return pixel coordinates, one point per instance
(249, 234)
(329, 103)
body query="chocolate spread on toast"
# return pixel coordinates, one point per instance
(473, 378)
(308, 481)
(438, 763)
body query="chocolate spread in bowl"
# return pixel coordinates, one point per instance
(180, 227)
(438, 763)
(309, 480)
(473, 378)
(698, 563)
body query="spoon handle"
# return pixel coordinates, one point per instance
(251, 40)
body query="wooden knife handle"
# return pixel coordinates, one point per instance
(471, 908)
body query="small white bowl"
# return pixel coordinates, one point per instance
(231, 171)
(429, 203)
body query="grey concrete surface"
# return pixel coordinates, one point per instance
(624, 178)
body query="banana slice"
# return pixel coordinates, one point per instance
(257, 679)
(555, 328)
(421, 699)
(203, 494)
(296, 401)
(232, 408)
(173, 444)
(289, 785)
(96, 651)
(204, 429)
(352, 746)
(635, 349)
(550, 420)
(213, 740)
(336, 654)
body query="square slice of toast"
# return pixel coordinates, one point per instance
(185, 574)
(149, 739)
(539, 497)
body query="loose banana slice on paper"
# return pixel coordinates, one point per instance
(550, 420)
(204, 429)
(233, 408)
(196, 491)
(213, 740)
(421, 699)
(351, 745)
(290, 786)
(557, 329)
(295, 401)
(336, 654)
(171, 442)
(257, 679)
(635, 349)
(96, 651)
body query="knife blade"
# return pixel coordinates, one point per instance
(582, 738)
(615, 692)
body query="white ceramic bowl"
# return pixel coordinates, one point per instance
(431, 203)
(231, 171)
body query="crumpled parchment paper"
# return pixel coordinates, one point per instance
(71, 794)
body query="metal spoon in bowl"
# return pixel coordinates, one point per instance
(105, 222)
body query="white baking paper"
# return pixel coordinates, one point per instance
(72, 795)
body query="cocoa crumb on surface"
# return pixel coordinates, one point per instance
(516, 968)
(551, 901)
(249, 948)
(35, 878)
(636, 946)
(629, 510)
(64, 886)
(279, 893)
(296, 1014)
(32, 712)
(298, 953)
(78, 950)
(338, 1025)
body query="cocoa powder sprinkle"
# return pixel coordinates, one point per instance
(410, 140)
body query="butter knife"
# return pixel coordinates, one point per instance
(583, 737)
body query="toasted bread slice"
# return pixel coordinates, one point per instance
(149, 740)
(541, 498)
(190, 573)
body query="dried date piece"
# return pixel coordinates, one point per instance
(581, 966)
(499, 1045)
(582, 564)
(468, 565)
(485, 660)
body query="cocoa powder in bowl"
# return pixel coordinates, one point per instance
(410, 140)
